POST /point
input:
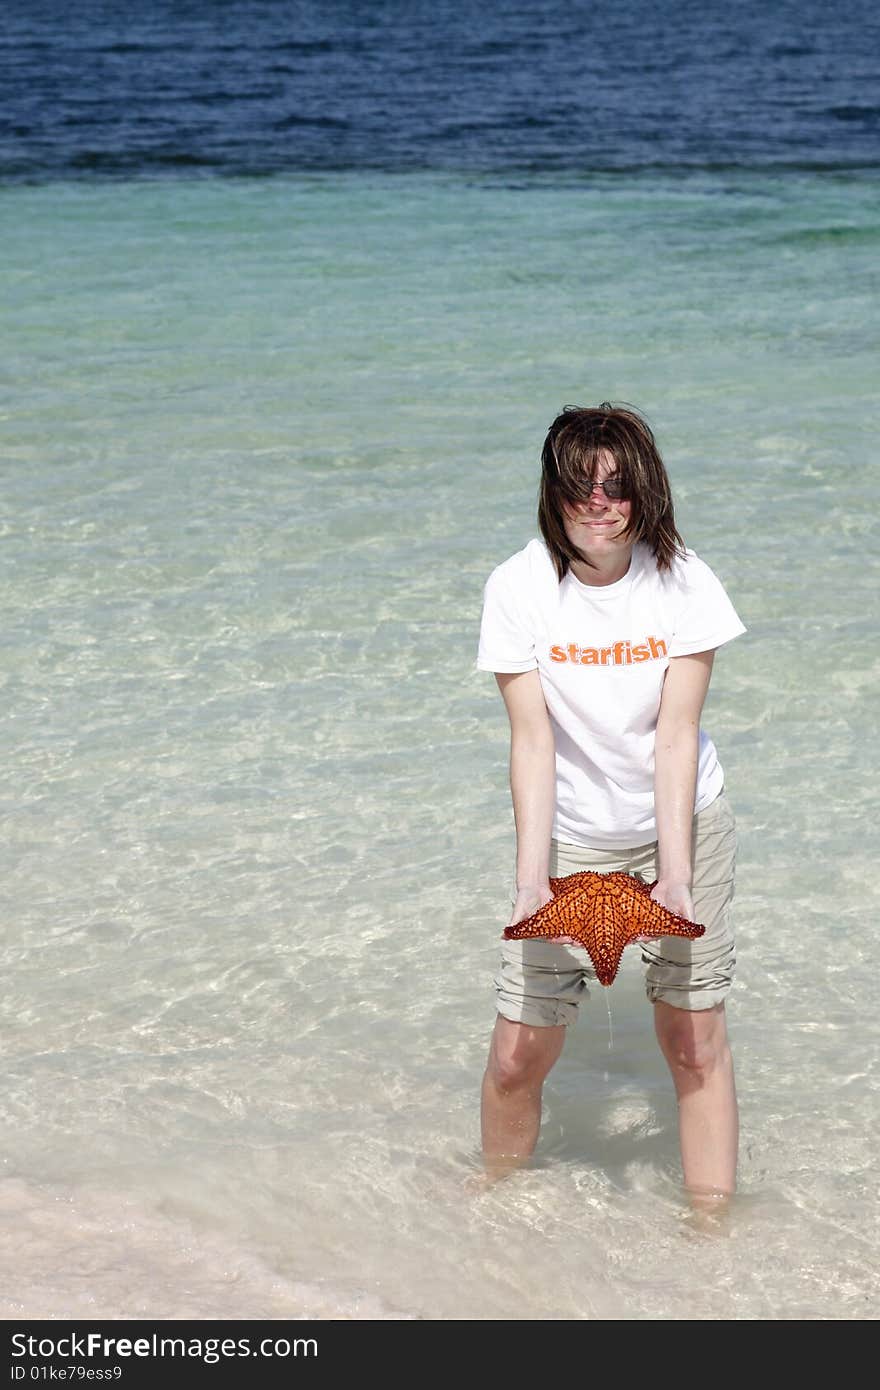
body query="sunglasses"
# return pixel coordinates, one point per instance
(612, 488)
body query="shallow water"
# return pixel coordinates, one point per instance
(264, 441)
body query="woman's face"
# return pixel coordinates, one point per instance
(596, 527)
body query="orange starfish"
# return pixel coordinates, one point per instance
(604, 912)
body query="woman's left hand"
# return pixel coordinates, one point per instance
(676, 897)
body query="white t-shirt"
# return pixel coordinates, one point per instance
(602, 653)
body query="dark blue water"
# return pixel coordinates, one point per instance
(239, 87)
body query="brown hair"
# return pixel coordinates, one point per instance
(569, 461)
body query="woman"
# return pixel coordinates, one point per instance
(602, 637)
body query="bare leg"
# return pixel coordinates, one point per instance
(519, 1060)
(698, 1055)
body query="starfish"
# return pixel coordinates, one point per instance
(604, 912)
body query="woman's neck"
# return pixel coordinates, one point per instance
(605, 569)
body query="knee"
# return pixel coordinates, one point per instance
(513, 1072)
(697, 1057)
(520, 1058)
(694, 1047)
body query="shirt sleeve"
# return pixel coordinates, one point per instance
(507, 643)
(705, 617)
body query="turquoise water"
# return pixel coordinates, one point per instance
(262, 443)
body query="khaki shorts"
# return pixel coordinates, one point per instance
(542, 982)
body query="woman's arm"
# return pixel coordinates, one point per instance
(676, 752)
(532, 786)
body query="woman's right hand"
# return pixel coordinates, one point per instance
(527, 902)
